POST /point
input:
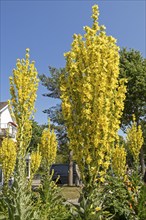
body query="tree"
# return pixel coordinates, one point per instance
(52, 83)
(133, 68)
(36, 135)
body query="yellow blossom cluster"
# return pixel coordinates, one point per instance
(92, 97)
(23, 87)
(119, 161)
(48, 146)
(35, 162)
(135, 140)
(8, 157)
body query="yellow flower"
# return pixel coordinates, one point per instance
(101, 179)
(135, 140)
(97, 208)
(92, 97)
(89, 159)
(23, 87)
(8, 157)
(27, 50)
(48, 146)
(35, 162)
(119, 161)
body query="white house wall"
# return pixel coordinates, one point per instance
(5, 117)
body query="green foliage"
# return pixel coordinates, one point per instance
(133, 68)
(17, 204)
(116, 198)
(52, 206)
(36, 135)
(60, 158)
(16, 201)
(142, 203)
(3, 207)
(143, 125)
(52, 83)
(91, 205)
(125, 198)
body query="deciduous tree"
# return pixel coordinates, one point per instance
(36, 135)
(52, 83)
(133, 68)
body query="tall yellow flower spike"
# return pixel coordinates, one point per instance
(8, 158)
(35, 162)
(135, 140)
(48, 146)
(92, 97)
(23, 88)
(119, 161)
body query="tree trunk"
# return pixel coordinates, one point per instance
(70, 174)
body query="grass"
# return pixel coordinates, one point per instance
(71, 192)
(68, 192)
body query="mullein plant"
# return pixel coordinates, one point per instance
(92, 102)
(135, 141)
(18, 201)
(118, 163)
(137, 189)
(35, 161)
(48, 147)
(8, 160)
(51, 203)
(23, 88)
(124, 191)
(116, 199)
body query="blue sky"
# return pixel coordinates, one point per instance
(46, 27)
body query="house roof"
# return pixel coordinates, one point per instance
(3, 104)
